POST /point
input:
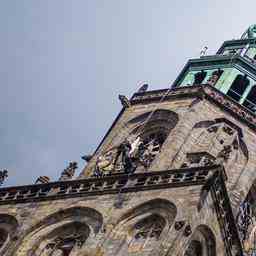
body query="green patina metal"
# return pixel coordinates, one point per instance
(250, 32)
(237, 61)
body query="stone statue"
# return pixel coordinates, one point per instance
(3, 176)
(124, 101)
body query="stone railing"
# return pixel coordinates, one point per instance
(106, 185)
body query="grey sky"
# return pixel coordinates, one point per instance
(63, 63)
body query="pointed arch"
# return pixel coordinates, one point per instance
(202, 242)
(8, 229)
(162, 206)
(142, 227)
(63, 231)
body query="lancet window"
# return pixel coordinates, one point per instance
(250, 101)
(147, 231)
(238, 87)
(199, 77)
(215, 76)
(64, 240)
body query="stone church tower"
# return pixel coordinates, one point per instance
(174, 175)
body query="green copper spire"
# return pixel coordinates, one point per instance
(232, 70)
(250, 32)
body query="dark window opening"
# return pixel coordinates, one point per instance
(194, 249)
(3, 237)
(199, 77)
(250, 101)
(238, 87)
(215, 77)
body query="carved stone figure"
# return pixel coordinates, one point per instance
(69, 172)
(124, 101)
(128, 156)
(244, 219)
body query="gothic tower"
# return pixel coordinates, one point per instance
(173, 176)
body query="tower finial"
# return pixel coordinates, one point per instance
(250, 32)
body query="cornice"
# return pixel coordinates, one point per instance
(224, 102)
(106, 185)
(237, 42)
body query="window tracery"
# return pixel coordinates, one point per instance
(146, 232)
(63, 240)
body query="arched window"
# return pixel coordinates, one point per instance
(215, 77)
(61, 234)
(141, 228)
(8, 227)
(250, 101)
(63, 240)
(199, 77)
(238, 87)
(149, 229)
(140, 146)
(202, 243)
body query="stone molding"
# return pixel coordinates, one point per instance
(111, 184)
(200, 91)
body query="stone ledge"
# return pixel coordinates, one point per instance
(200, 91)
(107, 185)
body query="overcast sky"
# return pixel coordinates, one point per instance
(64, 62)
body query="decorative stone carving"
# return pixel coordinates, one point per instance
(69, 172)
(179, 225)
(198, 159)
(187, 231)
(3, 176)
(129, 155)
(42, 180)
(146, 232)
(63, 243)
(244, 219)
(124, 101)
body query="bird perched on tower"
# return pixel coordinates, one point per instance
(143, 88)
